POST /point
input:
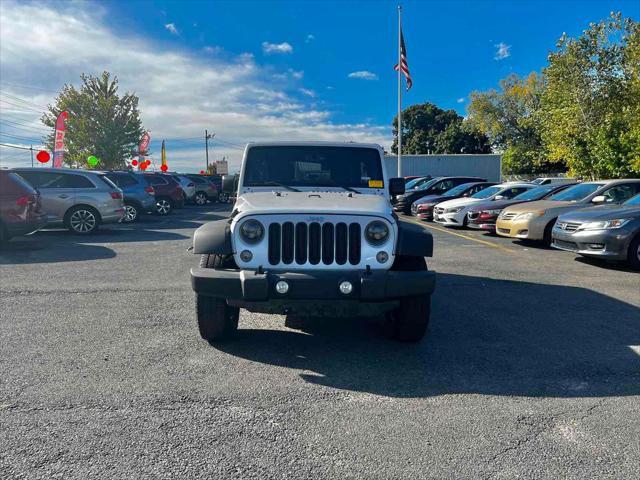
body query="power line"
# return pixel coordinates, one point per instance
(15, 146)
(19, 137)
(27, 109)
(28, 87)
(19, 99)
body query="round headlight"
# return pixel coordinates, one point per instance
(376, 232)
(251, 231)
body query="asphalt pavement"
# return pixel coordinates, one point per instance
(531, 369)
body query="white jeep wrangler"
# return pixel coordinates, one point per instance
(312, 233)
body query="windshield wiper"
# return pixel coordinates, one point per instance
(277, 184)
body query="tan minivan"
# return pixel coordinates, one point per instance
(535, 220)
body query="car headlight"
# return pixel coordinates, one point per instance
(376, 232)
(454, 209)
(251, 231)
(528, 215)
(604, 224)
(492, 212)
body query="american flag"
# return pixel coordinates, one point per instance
(404, 66)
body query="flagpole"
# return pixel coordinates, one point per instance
(399, 91)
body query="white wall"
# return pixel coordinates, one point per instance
(481, 165)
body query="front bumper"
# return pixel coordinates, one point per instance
(611, 244)
(456, 219)
(530, 229)
(251, 286)
(482, 225)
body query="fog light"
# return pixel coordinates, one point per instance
(246, 256)
(346, 287)
(596, 246)
(382, 257)
(282, 287)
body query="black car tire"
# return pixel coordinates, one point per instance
(131, 212)
(216, 320)
(547, 236)
(4, 234)
(82, 220)
(633, 255)
(223, 197)
(200, 199)
(164, 206)
(409, 321)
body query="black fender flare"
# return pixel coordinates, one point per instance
(213, 238)
(413, 239)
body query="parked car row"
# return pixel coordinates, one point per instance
(82, 200)
(595, 219)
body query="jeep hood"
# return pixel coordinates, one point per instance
(313, 202)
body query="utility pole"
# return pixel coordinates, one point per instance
(207, 136)
(31, 156)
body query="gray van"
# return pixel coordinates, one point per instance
(80, 200)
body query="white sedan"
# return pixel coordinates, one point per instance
(454, 212)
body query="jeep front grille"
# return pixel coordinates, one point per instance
(314, 242)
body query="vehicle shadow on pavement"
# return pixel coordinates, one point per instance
(619, 266)
(491, 337)
(31, 250)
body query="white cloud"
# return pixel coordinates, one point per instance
(271, 48)
(502, 51)
(212, 49)
(181, 93)
(296, 74)
(460, 100)
(308, 93)
(172, 28)
(363, 75)
(310, 38)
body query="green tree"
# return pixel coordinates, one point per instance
(100, 122)
(426, 128)
(510, 117)
(591, 106)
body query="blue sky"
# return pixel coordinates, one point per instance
(274, 70)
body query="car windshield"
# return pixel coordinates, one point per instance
(535, 193)
(413, 183)
(487, 192)
(633, 201)
(457, 191)
(426, 185)
(575, 193)
(313, 166)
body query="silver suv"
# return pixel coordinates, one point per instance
(80, 200)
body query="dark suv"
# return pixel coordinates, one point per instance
(20, 207)
(139, 196)
(168, 192)
(435, 186)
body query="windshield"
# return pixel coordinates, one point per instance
(633, 201)
(426, 185)
(577, 192)
(487, 192)
(535, 193)
(457, 191)
(414, 183)
(313, 166)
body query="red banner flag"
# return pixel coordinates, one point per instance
(144, 143)
(58, 141)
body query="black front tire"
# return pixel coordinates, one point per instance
(409, 321)
(200, 199)
(163, 206)
(223, 197)
(216, 320)
(633, 255)
(547, 236)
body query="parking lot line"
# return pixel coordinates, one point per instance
(467, 237)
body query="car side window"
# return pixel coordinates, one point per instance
(51, 180)
(619, 193)
(156, 180)
(122, 180)
(76, 181)
(443, 186)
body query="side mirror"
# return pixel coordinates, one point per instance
(465, 194)
(599, 199)
(396, 186)
(229, 183)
